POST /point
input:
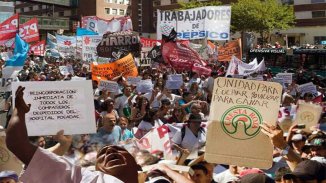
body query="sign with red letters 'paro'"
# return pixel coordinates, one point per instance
(238, 108)
(29, 31)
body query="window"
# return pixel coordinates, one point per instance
(121, 2)
(319, 39)
(114, 11)
(30, 8)
(317, 1)
(108, 11)
(121, 12)
(21, 10)
(318, 14)
(40, 7)
(61, 14)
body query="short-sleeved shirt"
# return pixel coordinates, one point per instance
(181, 102)
(50, 168)
(120, 104)
(190, 141)
(126, 134)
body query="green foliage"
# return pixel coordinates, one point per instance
(196, 4)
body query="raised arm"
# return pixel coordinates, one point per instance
(16, 134)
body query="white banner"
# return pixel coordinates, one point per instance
(110, 86)
(89, 47)
(308, 87)
(65, 70)
(66, 45)
(287, 77)
(259, 68)
(145, 86)
(235, 63)
(102, 26)
(211, 22)
(57, 105)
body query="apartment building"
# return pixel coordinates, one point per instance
(106, 9)
(310, 27)
(7, 9)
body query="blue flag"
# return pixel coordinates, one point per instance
(20, 53)
(83, 32)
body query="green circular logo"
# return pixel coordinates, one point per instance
(241, 122)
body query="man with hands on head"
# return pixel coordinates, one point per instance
(114, 164)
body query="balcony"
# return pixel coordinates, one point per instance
(47, 23)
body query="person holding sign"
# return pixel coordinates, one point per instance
(44, 166)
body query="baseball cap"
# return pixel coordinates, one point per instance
(310, 170)
(297, 137)
(9, 174)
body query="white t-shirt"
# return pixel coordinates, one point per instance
(190, 141)
(224, 177)
(120, 103)
(155, 103)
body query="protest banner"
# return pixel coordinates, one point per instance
(232, 48)
(145, 86)
(287, 77)
(201, 70)
(89, 44)
(113, 45)
(286, 117)
(79, 47)
(102, 26)
(238, 108)
(57, 105)
(180, 56)
(66, 45)
(173, 85)
(307, 88)
(126, 66)
(29, 31)
(258, 69)
(110, 86)
(38, 48)
(8, 29)
(308, 114)
(211, 22)
(8, 161)
(156, 140)
(133, 80)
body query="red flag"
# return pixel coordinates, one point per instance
(318, 99)
(8, 29)
(38, 48)
(29, 31)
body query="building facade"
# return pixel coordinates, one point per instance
(7, 9)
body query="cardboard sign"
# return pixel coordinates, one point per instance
(29, 31)
(145, 86)
(287, 77)
(8, 161)
(89, 47)
(238, 108)
(133, 80)
(308, 114)
(211, 22)
(115, 44)
(232, 48)
(307, 88)
(156, 140)
(57, 105)
(38, 48)
(110, 86)
(107, 71)
(172, 85)
(8, 29)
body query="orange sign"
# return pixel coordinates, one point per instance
(231, 48)
(125, 65)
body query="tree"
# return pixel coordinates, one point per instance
(196, 4)
(261, 16)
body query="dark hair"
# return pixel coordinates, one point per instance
(200, 167)
(279, 173)
(165, 102)
(185, 94)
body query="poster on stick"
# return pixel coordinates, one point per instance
(110, 86)
(57, 105)
(308, 114)
(238, 108)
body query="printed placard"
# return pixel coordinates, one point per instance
(287, 77)
(145, 86)
(133, 80)
(57, 105)
(172, 85)
(110, 86)
(307, 88)
(308, 114)
(238, 108)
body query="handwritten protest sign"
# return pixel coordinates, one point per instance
(58, 106)
(308, 114)
(156, 140)
(133, 80)
(110, 86)
(238, 108)
(307, 88)
(172, 85)
(145, 86)
(126, 65)
(8, 161)
(287, 77)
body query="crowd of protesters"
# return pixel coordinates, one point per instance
(299, 156)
